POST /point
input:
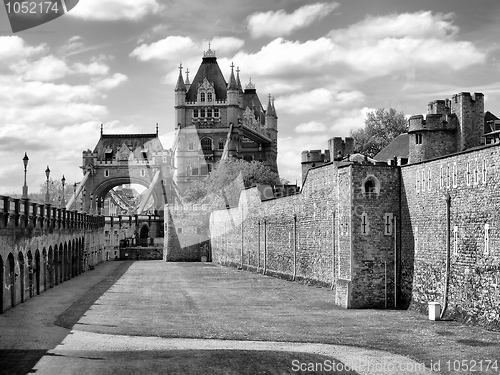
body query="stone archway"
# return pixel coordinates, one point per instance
(11, 278)
(50, 266)
(61, 264)
(45, 268)
(100, 192)
(21, 275)
(120, 159)
(30, 274)
(37, 271)
(56, 265)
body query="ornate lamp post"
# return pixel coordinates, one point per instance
(47, 194)
(25, 187)
(63, 201)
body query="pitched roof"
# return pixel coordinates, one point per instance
(399, 147)
(488, 116)
(210, 70)
(251, 100)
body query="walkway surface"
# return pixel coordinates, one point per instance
(152, 317)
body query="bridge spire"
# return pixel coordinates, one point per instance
(157, 129)
(101, 129)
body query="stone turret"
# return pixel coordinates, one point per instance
(340, 148)
(311, 159)
(450, 126)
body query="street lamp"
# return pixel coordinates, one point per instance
(63, 202)
(47, 195)
(25, 187)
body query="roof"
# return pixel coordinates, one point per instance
(210, 70)
(251, 100)
(399, 147)
(488, 116)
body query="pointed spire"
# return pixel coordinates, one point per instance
(238, 82)
(157, 129)
(232, 85)
(274, 108)
(270, 109)
(250, 85)
(187, 77)
(209, 53)
(102, 127)
(180, 81)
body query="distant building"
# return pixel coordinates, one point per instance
(216, 119)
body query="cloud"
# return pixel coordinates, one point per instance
(311, 127)
(93, 69)
(48, 68)
(171, 48)
(115, 10)
(319, 100)
(280, 23)
(49, 118)
(226, 44)
(111, 82)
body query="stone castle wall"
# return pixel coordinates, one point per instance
(187, 237)
(315, 236)
(471, 180)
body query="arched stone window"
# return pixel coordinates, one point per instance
(206, 144)
(371, 185)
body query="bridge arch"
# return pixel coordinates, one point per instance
(101, 190)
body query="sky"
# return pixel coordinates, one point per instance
(326, 63)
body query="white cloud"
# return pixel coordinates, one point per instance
(49, 118)
(311, 127)
(93, 69)
(114, 10)
(280, 23)
(111, 82)
(48, 68)
(13, 48)
(423, 24)
(172, 48)
(226, 44)
(319, 100)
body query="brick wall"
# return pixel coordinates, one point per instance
(186, 235)
(471, 180)
(313, 236)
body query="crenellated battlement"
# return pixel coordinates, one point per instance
(451, 125)
(339, 147)
(432, 122)
(315, 156)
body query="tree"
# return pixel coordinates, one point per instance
(381, 127)
(55, 191)
(229, 178)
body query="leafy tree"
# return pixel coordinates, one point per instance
(228, 179)
(381, 127)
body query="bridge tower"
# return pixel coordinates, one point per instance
(119, 159)
(217, 119)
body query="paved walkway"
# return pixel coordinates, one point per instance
(153, 317)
